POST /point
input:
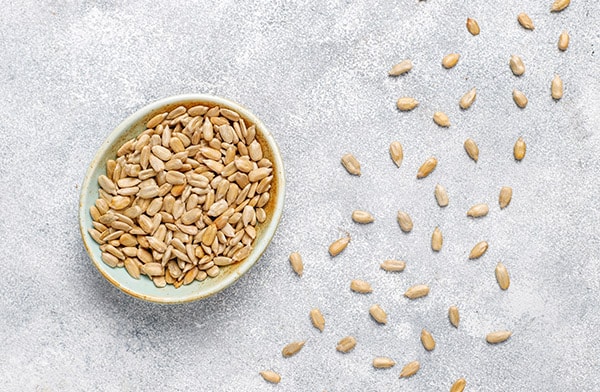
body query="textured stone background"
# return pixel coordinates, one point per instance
(316, 74)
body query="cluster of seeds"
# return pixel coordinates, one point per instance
(477, 211)
(184, 198)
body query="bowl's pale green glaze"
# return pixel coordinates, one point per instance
(144, 288)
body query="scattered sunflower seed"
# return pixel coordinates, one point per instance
(478, 250)
(318, 321)
(472, 149)
(519, 149)
(406, 104)
(450, 60)
(427, 340)
(351, 164)
(427, 167)
(454, 316)
(410, 369)
(498, 336)
(271, 376)
(467, 100)
(563, 41)
(401, 68)
(378, 314)
(437, 240)
(525, 21)
(292, 348)
(338, 246)
(346, 344)
(473, 26)
(441, 195)
(559, 5)
(478, 210)
(441, 119)
(557, 87)
(516, 65)
(405, 222)
(502, 276)
(393, 265)
(383, 362)
(396, 153)
(417, 291)
(459, 385)
(296, 263)
(359, 216)
(360, 286)
(520, 99)
(505, 196)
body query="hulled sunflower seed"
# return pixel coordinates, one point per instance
(346, 344)
(270, 376)
(292, 348)
(502, 276)
(410, 369)
(401, 68)
(516, 65)
(360, 286)
(450, 60)
(317, 319)
(498, 337)
(437, 240)
(467, 100)
(132, 268)
(427, 167)
(472, 149)
(454, 316)
(478, 210)
(383, 362)
(378, 314)
(505, 196)
(525, 21)
(154, 121)
(405, 222)
(520, 99)
(559, 5)
(459, 385)
(406, 104)
(396, 153)
(478, 250)
(557, 88)
(427, 340)
(359, 216)
(441, 119)
(473, 26)
(351, 164)
(519, 149)
(417, 291)
(338, 246)
(563, 41)
(393, 265)
(441, 195)
(296, 263)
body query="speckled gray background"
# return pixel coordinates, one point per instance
(316, 74)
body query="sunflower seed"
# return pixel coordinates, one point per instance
(417, 291)
(406, 104)
(557, 87)
(478, 250)
(437, 240)
(520, 99)
(360, 286)
(152, 269)
(410, 369)
(109, 259)
(404, 221)
(525, 21)
(396, 153)
(270, 376)
(132, 268)
(427, 340)
(441, 195)
(505, 196)
(441, 119)
(478, 210)
(450, 60)
(383, 362)
(427, 167)
(473, 26)
(459, 385)
(359, 216)
(454, 316)
(338, 246)
(296, 263)
(516, 65)
(351, 164)
(292, 348)
(317, 319)
(401, 68)
(107, 184)
(378, 314)
(498, 336)
(393, 265)
(467, 100)
(502, 276)
(346, 344)
(559, 5)
(519, 149)
(563, 41)
(472, 149)
(154, 121)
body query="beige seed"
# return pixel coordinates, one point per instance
(378, 314)
(410, 369)
(505, 196)
(406, 104)
(525, 21)
(152, 269)
(427, 340)
(459, 385)
(478, 210)
(119, 202)
(132, 268)
(502, 276)
(405, 222)
(393, 265)
(437, 240)
(498, 336)
(109, 259)
(417, 291)
(364, 217)
(154, 121)
(107, 184)
(270, 376)
(401, 68)
(473, 26)
(516, 65)
(346, 344)
(563, 40)
(296, 263)
(317, 319)
(441, 119)
(396, 152)
(472, 149)
(478, 250)
(557, 87)
(427, 167)
(519, 149)
(520, 99)
(454, 316)
(351, 164)
(292, 348)
(450, 60)
(559, 5)
(360, 286)
(161, 152)
(467, 100)
(383, 362)
(338, 246)
(441, 195)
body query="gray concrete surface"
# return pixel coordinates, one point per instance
(316, 73)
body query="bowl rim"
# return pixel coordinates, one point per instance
(268, 231)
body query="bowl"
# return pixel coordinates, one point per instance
(144, 288)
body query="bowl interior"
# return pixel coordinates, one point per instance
(130, 128)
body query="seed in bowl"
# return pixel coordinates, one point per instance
(185, 198)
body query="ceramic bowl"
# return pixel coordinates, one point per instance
(143, 288)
